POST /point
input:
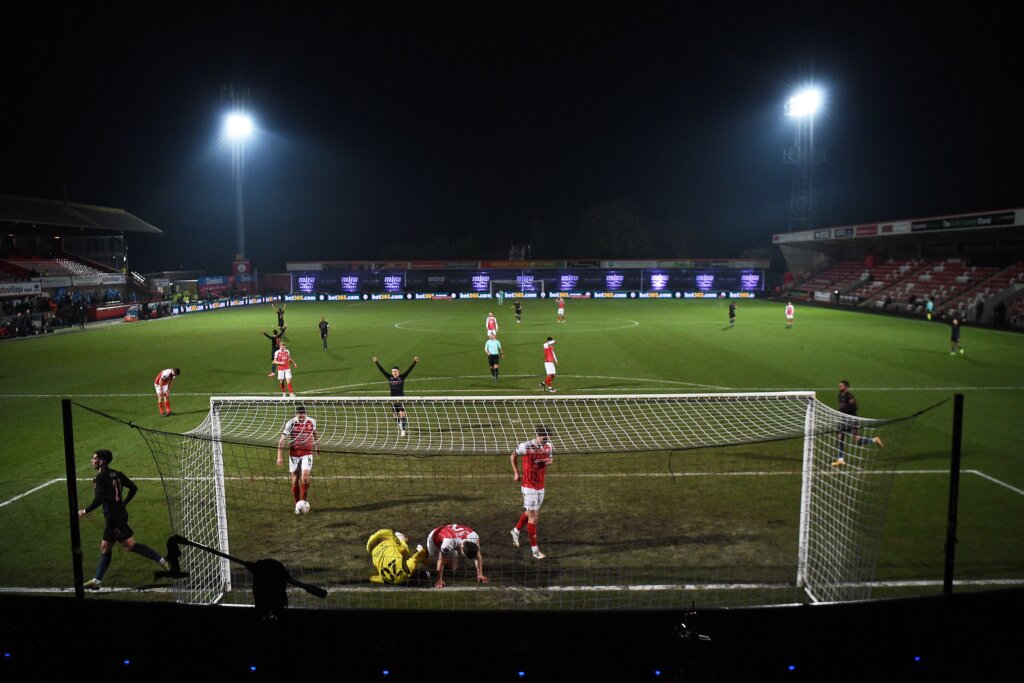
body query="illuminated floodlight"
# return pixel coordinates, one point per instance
(238, 126)
(804, 103)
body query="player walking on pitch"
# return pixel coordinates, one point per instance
(444, 546)
(162, 384)
(550, 366)
(324, 327)
(732, 314)
(109, 486)
(284, 363)
(492, 349)
(954, 337)
(519, 310)
(847, 429)
(491, 325)
(304, 441)
(396, 381)
(537, 454)
(561, 308)
(789, 314)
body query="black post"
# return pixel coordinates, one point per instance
(69, 466)
(954, 492)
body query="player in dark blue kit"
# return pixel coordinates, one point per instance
(732, 314)
(847, 429)
(397, 382)
(110, 486)
(954, 337)
(275, 344)
(324, 329)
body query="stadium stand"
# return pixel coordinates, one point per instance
(54, 266)
(886, 280)
(985, 289)
(842, 276)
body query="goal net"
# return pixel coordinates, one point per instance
(651, 500)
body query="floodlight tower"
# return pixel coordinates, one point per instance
(803, 106)
(238, 127)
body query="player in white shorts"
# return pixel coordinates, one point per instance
(444, 546)
(303, 441)
(162, 385)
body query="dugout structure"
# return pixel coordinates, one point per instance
(653, 501)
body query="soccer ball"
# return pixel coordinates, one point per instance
(302, 507)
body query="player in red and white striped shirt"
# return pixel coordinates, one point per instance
(305, 442)
(444, 546)
(550, 364)
(537, 454)
(284, 363)
(162, 384)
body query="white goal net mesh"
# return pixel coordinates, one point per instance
(651, 501)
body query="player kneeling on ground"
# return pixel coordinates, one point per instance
(446, 544)
(390, 553)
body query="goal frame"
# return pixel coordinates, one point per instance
(223, 566)
(514, 287)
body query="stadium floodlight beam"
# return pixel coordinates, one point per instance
(805, 103)
(803, 106)
(238, 128)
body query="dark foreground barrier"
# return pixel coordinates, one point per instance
(964, 637)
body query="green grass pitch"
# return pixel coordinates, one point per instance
(896, 366)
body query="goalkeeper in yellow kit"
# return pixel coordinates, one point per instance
(391, 555)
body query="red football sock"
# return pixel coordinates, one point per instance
(290, 388)
(167, 402)
(305, 490)
(522, 521)
(295, 493)
(532, 530)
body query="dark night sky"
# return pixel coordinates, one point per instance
(445, 130)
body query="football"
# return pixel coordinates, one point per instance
(302, 507)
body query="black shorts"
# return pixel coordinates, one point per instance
(398, 408)
(492, 358)
(848, 424)
(117, 532)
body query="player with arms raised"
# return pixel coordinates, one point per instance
(162, 384)
(444, 546)
(304, 441)
(396, 380)
(537, 454)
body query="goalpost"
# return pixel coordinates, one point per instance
(652, 500)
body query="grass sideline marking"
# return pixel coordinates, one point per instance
(377, 383)
(632, 323)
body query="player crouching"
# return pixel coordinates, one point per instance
(390, 553)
